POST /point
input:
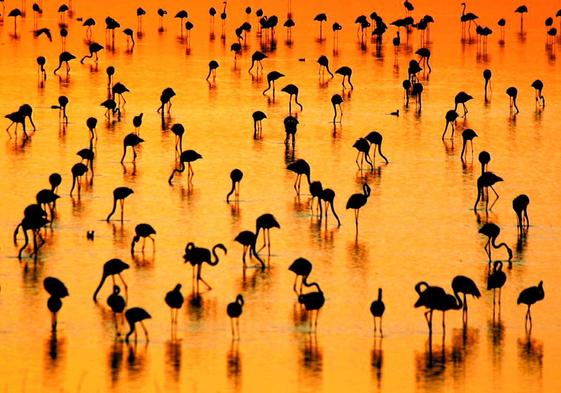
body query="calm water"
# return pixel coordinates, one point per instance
(417, 225)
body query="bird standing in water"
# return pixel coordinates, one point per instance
(133, 316)
(236, 177)
(530, 296)
(119, 194)
(234, 311)
(377, 308)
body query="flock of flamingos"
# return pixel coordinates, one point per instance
(42, 213)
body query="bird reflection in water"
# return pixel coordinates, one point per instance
(234, 364)
(496, 335)
(464, 344)
(377, 360)
(530, 353)
(136, 358)
(54, 351)
(312, 354)
(116, 359)
(173, 357)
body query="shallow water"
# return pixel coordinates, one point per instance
(418, 223)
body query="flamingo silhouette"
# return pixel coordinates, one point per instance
(131, 140)
(236, 176)
(41, 61)
(377, 308)
(346, 72)
(320, 18)
(484, 158)
(78, 170)
(461, 98)
(466, 286)
(312, 301)
(496, 280)
(271, 78)
(117, 303)
(133, 316)
(530, 296)
(196, 256)
(467, 136)
(492, 231)
(234, 311)
(292, 90)
(174, 299)
(248, 240)
(93, 48)
(375, 138)
(512, 93)
(487, 77)
(143, 231)
(265, 222)
(258, 117)
(257, 57)
(300, 167)
(327, 195)
(485, 181)
(113, 267)
(337, 100)
(178, 131)
(520, 207)
(435, 298)
(363, 148)
(64, 57)
(57, 290)
(187, 156)
(323, 62)
(119, 194)
(301, 267)
(538, 86)
(469, 17)
(212, 66)
(356, 201)
(451, 117)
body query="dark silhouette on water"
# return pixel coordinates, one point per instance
(323, 62)
(234, 311)
(467, 17)
(143, 231)
(174, 299)
(538, 86)
(362, 145)
(302, 268)
(133, 316)
(137, 122)
(337, 100)
(248, 240)
(320, 18)
(117, 303)
(346, 72)
(265, 222)
(34, 219)
(212, 66)
(62, 104)
(356, 201)
(520, 207)
(529, 296)
(271, 78)
(492, 231)
(41, 61)
(465, 286)
(196, 256)
(377, 308)
(187, 156)
(178, 130)
(300, 167)
(292, 90)
(487, 77)
(236, 176)
(327, 195)
(78, 170)
(257, 57)
(93, 48)
(467, 136)
(64, 57)
(119, 194)
(496, 280)
(485, 181)
(451, 117)
(111, 268)
(131, 140)
(290, 129)
(258, 117)
(521, 10)
(484, 158)
(461, 98)
(512, 93)
(312, 301)
(57, 290)
(435, 298)
(375, 138)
